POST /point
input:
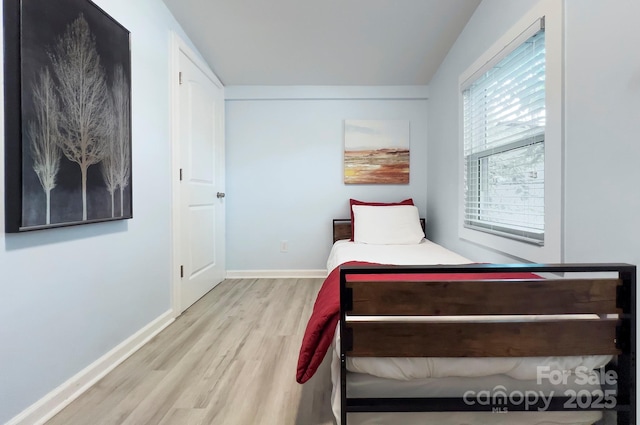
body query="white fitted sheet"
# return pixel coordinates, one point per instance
(424, 253)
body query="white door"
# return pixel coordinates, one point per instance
(201, 141)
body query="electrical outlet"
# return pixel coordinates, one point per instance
(284, 246)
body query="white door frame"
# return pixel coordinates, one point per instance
(177, 46)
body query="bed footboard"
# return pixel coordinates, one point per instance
(506, 296)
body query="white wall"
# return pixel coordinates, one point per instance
(69, 295)
(601, 149)
(602, 183)
(284, 162)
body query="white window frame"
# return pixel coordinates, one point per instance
(551, 251)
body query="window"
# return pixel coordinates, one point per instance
(504, 120)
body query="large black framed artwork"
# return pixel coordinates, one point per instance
(67, 115)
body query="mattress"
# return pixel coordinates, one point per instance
(426, 252)
(475, 389)
(422, 376)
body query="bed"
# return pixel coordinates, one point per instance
(452, 342)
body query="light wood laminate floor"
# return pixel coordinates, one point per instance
(229, 359)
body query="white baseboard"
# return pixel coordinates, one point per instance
(273, 274)
(48, 406)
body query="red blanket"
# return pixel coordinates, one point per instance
(321, 326)
(326, 312)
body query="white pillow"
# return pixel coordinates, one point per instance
(387, 225)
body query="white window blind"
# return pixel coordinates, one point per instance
(504, 134)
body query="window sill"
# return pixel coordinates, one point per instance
(550, 252)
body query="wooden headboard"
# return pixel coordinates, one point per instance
(342, 228)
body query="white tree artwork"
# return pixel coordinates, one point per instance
(121, 154)
(82, 87)
(68, 103)
(44, 136)
(109, 166)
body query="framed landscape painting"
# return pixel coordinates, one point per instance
(67, 115)
(376, 152)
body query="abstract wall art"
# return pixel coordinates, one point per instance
(376, 152)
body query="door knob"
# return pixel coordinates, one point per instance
(220, 194)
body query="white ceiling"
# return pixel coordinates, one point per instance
(324, 42)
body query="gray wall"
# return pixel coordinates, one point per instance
(285, 174)
(602, 124)
(69, 295)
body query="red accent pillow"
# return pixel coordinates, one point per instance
(353, 202)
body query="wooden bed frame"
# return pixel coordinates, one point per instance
(585, 294)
